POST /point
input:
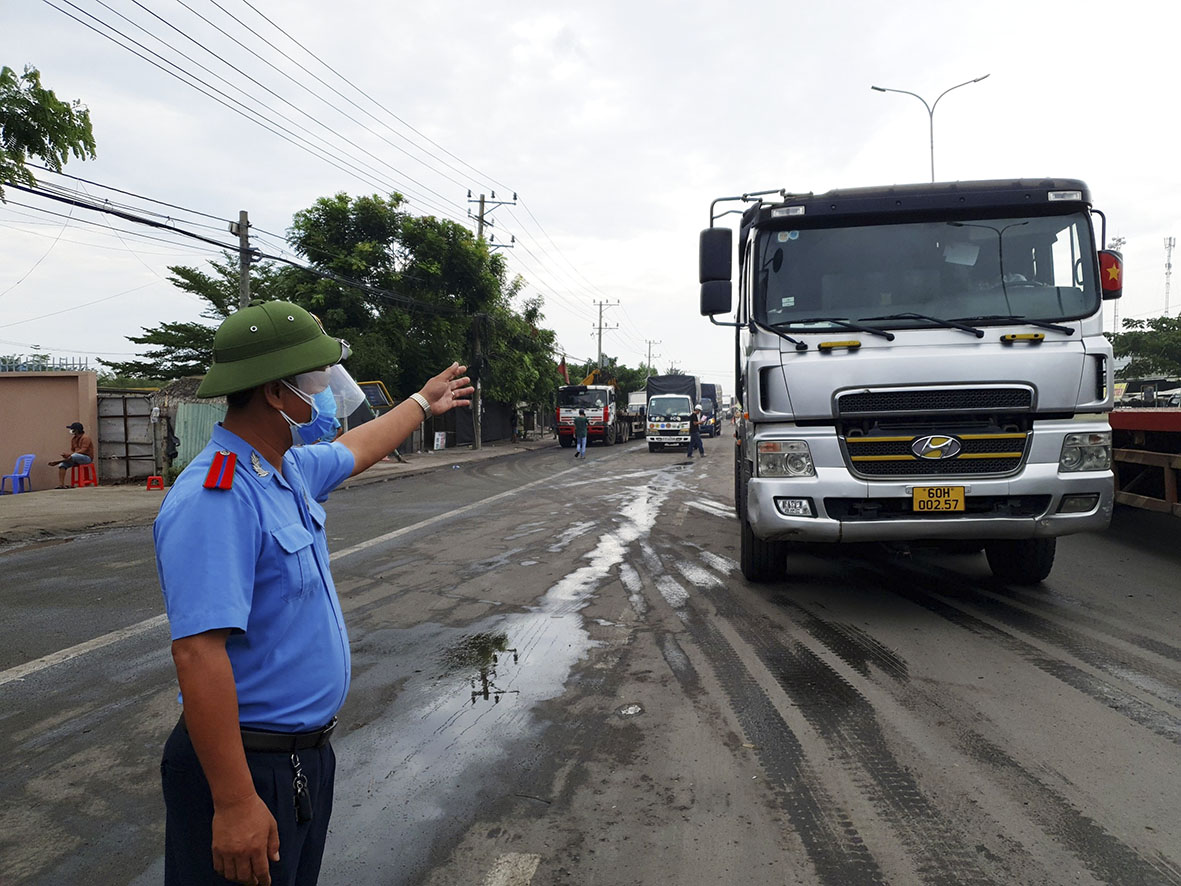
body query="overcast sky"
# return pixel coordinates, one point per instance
(615, 122)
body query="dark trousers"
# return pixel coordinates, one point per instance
(188, 829)
(695, 443)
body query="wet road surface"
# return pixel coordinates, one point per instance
(561, 677)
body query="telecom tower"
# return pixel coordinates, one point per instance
(1117, 243)
(1170, 242)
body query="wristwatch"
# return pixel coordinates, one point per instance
(421, 401)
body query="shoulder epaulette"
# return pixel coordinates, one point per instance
(221, 472)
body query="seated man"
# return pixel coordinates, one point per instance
(81, 453)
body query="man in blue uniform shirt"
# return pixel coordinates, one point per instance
(258, 639)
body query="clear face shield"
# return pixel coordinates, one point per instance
(330, 392)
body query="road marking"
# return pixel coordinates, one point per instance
(711, 508)
(430, 521)
(55, 658)
(513, 869)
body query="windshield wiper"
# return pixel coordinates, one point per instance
(938, 321)
(800, 345)
(1018, 318)
(838, 321)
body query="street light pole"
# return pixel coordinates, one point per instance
(930, 109)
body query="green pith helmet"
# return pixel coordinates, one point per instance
(265, 341)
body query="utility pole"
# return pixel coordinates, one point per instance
(242, 229)
(486, 206)
(600, 305)
(650, 343)
(478, 321)
(1170, 242)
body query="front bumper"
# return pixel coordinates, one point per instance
(850, 509)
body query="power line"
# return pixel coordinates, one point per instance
(224, 221)
(372, 99)
(37, 263)
(336, 108)
(263, 86)
(389, 295)
(242, 110)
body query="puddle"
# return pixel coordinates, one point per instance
(479, 657)
(414, 776)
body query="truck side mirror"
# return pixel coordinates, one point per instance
(1111, 273)
(717, 247)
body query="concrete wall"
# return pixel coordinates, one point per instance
(35, 408)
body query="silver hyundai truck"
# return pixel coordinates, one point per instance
(918, 363)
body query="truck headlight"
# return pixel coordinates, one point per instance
(784, 458)
(1086, 452)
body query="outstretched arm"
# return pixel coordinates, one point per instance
(376, 439)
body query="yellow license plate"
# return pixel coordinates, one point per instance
(929, 499)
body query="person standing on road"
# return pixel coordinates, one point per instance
(258, 638)
(695, 432)
(580, 431)
(81, 453)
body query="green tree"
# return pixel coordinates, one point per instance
(35, 123)
(425, 290)
(1153, 347)
(441, 286)
(177, 349)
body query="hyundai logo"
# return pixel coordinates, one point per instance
(936, 446)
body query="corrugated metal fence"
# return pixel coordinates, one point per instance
(194, 427)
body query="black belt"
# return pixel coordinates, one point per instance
(282, 742)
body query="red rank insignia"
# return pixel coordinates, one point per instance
(221, 472)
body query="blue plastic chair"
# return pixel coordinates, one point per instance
(19, 475)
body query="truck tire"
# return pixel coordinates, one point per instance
(762, 561)
(1023, 561)
(566, 442)
(609, 435)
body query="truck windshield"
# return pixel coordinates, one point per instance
(903, 275)
(575, 398)
(669, 408)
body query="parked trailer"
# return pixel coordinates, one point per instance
(1146, 446)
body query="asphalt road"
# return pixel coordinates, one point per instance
(560, 676)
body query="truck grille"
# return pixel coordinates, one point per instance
(894, 456)
(925, 400)
(869, 509)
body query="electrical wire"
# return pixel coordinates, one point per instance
(242, 109)
(371, 99)
(84, 304)
(263, 86)
(305, 88)
(404, 300)
(37, 263)
(129, 193)
(302, 143)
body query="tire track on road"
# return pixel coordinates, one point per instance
(1106, 856)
